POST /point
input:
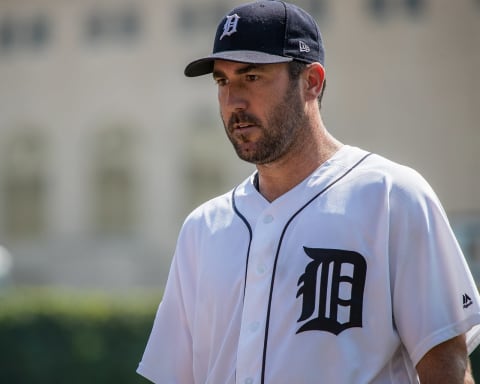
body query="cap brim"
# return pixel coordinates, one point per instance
(204, 65)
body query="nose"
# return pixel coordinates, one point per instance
(233, 97)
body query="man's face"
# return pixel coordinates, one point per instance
(262, 110)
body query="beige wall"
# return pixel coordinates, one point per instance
(409, 88)
(405, 87)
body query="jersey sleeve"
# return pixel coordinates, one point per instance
(434, 295)
(168, 355)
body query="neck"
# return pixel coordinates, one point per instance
(279, 177)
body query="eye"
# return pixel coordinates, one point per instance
(251, 77)
(220, 81)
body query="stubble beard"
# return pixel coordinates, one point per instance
(278, 136)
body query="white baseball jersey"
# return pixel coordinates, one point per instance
(350, 277)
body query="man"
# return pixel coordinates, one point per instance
(329, 264)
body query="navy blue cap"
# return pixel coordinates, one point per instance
(263, 32)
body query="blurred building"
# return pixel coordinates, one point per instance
(105, 146)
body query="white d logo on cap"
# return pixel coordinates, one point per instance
(230, 26)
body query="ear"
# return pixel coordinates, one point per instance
(314, 77)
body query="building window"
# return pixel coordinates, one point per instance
(128, 23)
(186, 18)
(7, 34)
(24, 33)
(318, 8)
(24, 185)
(39, 31)
(204, 177)
(94, 28)
(383, 8)
(113, 182)
(193, 17)
(112, 25)
(378, 8)
(415, 7)
(205, 171)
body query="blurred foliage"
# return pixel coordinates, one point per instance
(475, 360)
(68, 337)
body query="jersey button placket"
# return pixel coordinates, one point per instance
(262, 268)
(257, 291)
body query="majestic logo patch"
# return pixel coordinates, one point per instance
(230, 26)
(332, 290)
(303, 47)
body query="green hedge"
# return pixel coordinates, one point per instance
(73, 338)
(475, 360)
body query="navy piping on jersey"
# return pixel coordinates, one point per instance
(267, 323)
(247, 224)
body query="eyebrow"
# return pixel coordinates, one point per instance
(240, 71)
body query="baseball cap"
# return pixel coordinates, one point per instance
(263, 32)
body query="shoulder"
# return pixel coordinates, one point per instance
(215, 213)
(378, 166)
(399, 180)
(402, 189)
(208, 212)
(414, 210)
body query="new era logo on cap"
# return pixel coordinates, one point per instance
(303, 47)
(263, 32)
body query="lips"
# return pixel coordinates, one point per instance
(242, 121)
(243, 125)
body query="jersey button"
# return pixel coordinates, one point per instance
(261, 269)
(254, 326)
(248, 380)
(268, 219)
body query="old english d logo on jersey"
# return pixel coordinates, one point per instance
(332, 290)
(230, 26)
